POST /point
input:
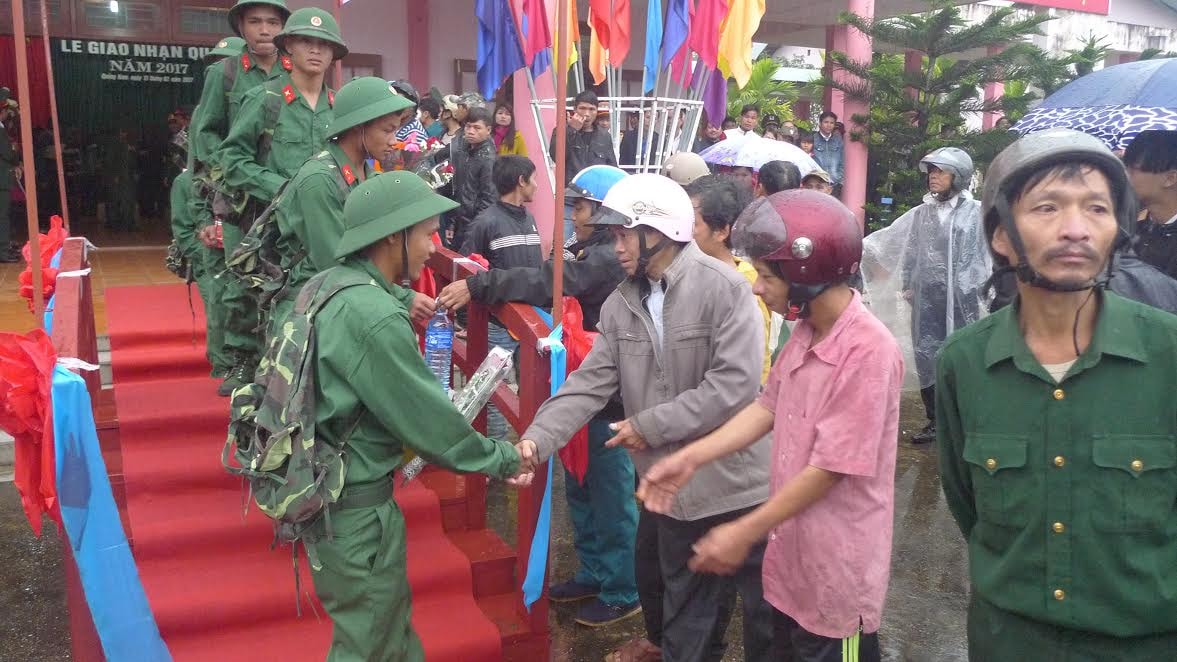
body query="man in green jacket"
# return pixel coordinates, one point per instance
(250, 59)
(310, 213)
(184, 231)
(1062, 477)
(208, 258)
(280, 125)
(370, 375)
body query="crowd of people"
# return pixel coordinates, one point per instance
(768, 475)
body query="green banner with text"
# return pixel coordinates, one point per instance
(103, 86)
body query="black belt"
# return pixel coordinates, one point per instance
(364, 495)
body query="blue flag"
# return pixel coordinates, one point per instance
(122, 616)
(499, 51)
(678, 29)
(653, 42)
(537, 558)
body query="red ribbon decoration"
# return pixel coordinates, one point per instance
(578, 343)
(26, 413)
(50, 244)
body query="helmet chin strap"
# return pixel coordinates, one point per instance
(645, 254)
(405, 279)
(800, 296)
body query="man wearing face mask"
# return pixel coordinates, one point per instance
(943, 264)
(280, 125)
(368, 113)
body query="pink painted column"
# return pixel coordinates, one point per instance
(417, 20)
(836, 41)
(993, 92)
(543, 207)
(857, 47)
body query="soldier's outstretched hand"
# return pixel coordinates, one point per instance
(423, 308)
(528, 460)
(663, 481)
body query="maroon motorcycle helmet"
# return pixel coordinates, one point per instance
(812, 237)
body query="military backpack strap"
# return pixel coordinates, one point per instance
(273, 110)
(229, 74)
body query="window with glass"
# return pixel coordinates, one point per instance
(203, 20)
(118, 15)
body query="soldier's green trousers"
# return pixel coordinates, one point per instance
(364, 587)
(210, 281)
(238, 307)
(997, 635)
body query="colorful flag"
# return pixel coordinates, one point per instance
(735, 39)
(536, 36)
(573, 28)
(715, 98)
(676, 53)
(653, 41)
(705, 26)
(678, 28)
(499, 52)
(610, 18)
(597, 53)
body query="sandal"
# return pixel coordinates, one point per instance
(635, 650)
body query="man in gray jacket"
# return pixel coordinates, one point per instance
(678, 339)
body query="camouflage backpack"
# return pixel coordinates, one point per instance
(293, 475)
(257, 261)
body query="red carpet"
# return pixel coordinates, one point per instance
(217, 590)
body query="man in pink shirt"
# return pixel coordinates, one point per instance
(832, 404)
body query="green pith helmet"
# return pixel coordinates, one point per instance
(313, 22)
(384, 205)
(242, 5)
(362, 100)
(227, 47)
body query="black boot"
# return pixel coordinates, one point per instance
(925, 436)
(239, 375)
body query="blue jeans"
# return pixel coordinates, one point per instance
(605, 519)
(496, 425)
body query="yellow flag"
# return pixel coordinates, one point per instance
(597, 54)
(553, 7)
(735, 39)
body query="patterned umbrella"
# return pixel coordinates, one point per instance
(1114, 104)
(752, 151)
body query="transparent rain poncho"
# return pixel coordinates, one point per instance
(924, 276)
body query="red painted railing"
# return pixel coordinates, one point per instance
(534, 387)
(74, 336)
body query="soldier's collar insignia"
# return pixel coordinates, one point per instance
(331, 98)
(288, 94)
(287, 64)
(245, 62)
(348, 175)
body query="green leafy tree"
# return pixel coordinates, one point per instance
(769, 95)
(914, 112)
(1155, 54)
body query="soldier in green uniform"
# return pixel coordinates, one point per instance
(1057, 426)
(9, 170)
(279, 126)
(365, 346)
(251, 58)
(310, 214)
(209, 259)
(185, 234)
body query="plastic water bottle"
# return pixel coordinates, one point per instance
(439, 345)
